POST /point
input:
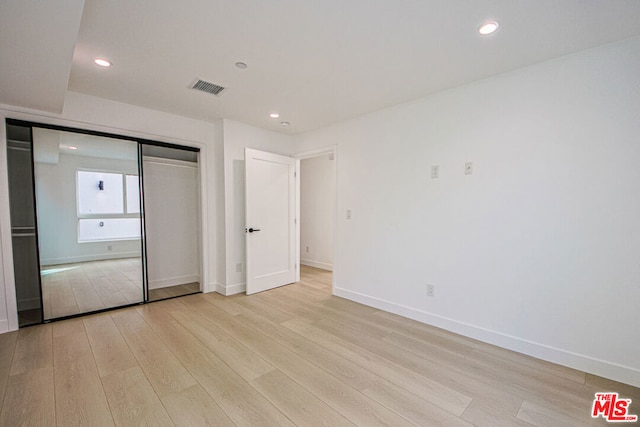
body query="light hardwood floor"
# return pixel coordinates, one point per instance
(291, 356)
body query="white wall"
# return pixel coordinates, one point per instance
(87, 112)
(236, 137)
(538, 249)
(57, 212)
(317, 209)
(217, 240)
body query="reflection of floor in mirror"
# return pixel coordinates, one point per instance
(173, 291)
(88, 286)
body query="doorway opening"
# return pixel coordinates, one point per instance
(317, 217)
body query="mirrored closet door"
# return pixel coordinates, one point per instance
(89, 222)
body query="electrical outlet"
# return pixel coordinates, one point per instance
(307, 249)
(435, 171)
(348, 214)
(431, 291)
(239, 267)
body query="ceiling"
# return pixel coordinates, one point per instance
(316, 62)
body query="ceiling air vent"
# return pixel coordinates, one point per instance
(212, 88)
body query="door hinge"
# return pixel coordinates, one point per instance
(295, 220)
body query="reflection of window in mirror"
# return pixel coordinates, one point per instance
(103, 198)
(100, 193)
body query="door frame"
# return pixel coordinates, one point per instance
(331, 149)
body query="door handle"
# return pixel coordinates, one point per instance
(251, 230)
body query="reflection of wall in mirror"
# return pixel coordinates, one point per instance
(57, 206)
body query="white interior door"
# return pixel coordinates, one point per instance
(270, 220)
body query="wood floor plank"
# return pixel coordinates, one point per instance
(228, 304)
(132, 399)
(8, 343)
(482, 415)
(79, 396)
(302, 407)
(34, 349)
(424, 349)
(281, 303)
(501, 354)
(425, 334)
(417, 410)
(348, 313)
(254, 303)
(165, 373)
(357, 407)
(242, 360)
(410, 326)
(111, 352)
(345, 370)
(470, 379)
(521, 378)
(527, 380)
(29, 399)
(541, 415)
(194, 407)
(435, 392)
(241, 402)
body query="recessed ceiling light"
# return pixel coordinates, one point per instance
(102, 62)
(285, 124)
(488, 28)
(73, 147)
(241, 65)
(274, 115)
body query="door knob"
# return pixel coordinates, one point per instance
(251, 230)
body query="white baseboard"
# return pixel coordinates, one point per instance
(173, 281)
(316, 264)
(603, 368)
(219, 288)
(227, 290)
(87, 258)
(4, 326)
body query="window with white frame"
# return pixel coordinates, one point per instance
(108, 206)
